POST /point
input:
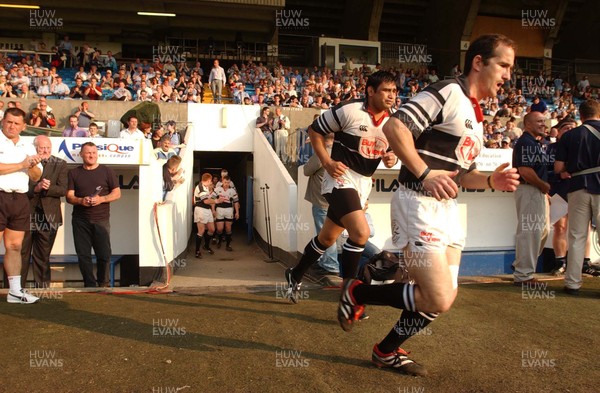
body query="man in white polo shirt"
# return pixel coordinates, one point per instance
(216, 79)
(19, 163)
(132, 131)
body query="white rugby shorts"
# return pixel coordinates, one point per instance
(425, 224)
(224, 213)
(350, 179)
(203, 216)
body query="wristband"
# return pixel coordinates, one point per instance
(489, 182)
(424, 174)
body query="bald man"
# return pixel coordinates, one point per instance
(531, 197)
(45, 213)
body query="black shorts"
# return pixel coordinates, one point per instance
(341, 202)
(14, 211)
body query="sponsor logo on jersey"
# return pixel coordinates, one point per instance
(468, 148)
(373, 147)
(429, 237)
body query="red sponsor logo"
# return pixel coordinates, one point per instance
(428, 237)
(373, 147)
(467, 150)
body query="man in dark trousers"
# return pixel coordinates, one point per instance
(91, 188)
(45, 214)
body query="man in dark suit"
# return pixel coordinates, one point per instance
(46, 216)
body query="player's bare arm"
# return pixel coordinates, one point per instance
(501, 179)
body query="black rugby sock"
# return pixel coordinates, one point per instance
(207, 239)
(409, 324)
(312, 252)
(397, 295)
(198, 242)
(351, 253)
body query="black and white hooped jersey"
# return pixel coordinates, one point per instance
(446, 126)
(220, 184)
(229, 196)
(201, 195)
(359, 141)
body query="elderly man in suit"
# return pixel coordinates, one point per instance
(45, 218)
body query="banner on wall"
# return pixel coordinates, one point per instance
(115, 151)
(487, 160)
(111, 151)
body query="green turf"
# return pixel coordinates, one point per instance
(496, 338)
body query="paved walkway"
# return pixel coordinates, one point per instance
(245, 270)
(241, 270)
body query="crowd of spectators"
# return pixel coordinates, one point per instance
(101, 77)
(556, 103)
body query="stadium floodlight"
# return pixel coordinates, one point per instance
(156, 14)
(31, 7)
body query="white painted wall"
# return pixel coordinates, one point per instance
(133, 228)
(268, 169)
(174, 216)
(223, 127)
(490, 217)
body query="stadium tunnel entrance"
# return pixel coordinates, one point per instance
(240, 168)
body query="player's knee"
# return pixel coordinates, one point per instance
(326, 240)
(438, 302)
(360, 235)
(441, 304)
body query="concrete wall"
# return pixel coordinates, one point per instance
(268, 169)
(174, 216)
(104, 110)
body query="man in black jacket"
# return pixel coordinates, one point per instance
(45, 214)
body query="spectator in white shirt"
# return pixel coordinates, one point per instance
(59, 88)
(131, 132)
(216, 80)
